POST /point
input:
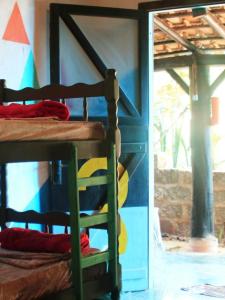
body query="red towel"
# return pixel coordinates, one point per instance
(45, 108)
(32, 240)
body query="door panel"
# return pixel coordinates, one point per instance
(85, 41)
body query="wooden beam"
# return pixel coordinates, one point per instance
(174, 35)
(159, 5)
(202, 208)
(213, 22)
(54, 45)
(178, 80)
(217, 82)
(175, 14)
(173, 62)
(187, 60)
(194, 39)
(87, 10)
(212, 59)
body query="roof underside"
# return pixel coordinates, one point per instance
(186, 31)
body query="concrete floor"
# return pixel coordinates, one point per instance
(174, 271)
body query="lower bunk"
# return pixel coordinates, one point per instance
(72, 276)
(26, 275)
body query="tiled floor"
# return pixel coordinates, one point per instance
(174, 271)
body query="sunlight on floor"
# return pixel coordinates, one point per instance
(175, 271)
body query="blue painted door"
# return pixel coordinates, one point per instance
(85, 41)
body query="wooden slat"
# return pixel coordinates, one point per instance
(55, 92)
(92, 181)
(33, 217)
(48, 151)
(95, 259)
(97, 11)
(97, 219)
(159, 5)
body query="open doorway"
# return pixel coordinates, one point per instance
(189, 45)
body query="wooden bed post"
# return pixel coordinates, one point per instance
(74, 205)
(114, 150)
(112, 96)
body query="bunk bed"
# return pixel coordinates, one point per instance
(92, 275)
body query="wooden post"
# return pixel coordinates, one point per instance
(112, 97)
(114, 150)
(202, 210)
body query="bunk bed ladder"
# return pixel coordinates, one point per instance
(73, 190)
(113, 231)
(111, 255)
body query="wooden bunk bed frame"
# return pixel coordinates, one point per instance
(72, 151)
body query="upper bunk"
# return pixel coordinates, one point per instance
(40, 139)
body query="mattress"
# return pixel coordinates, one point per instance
(49, 129)
(27, 275)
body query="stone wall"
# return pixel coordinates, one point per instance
(173, 196)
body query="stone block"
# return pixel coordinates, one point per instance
(219, 180)
(160, 193)
(167, 227)
(186, 212)
(179, 193)
(166, 176)
(219, 198)
(184, 228)
(185, 178)
(220, 215)
(170, 212)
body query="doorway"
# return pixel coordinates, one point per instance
(188, 54)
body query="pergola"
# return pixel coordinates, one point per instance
(193, 36)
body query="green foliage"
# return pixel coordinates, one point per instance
(220, 234)
(171, 120)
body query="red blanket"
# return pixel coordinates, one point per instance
(32, 240)
(46, 108)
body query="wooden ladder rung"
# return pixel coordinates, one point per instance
(95, 259)
(92, 181)
(97, 219)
